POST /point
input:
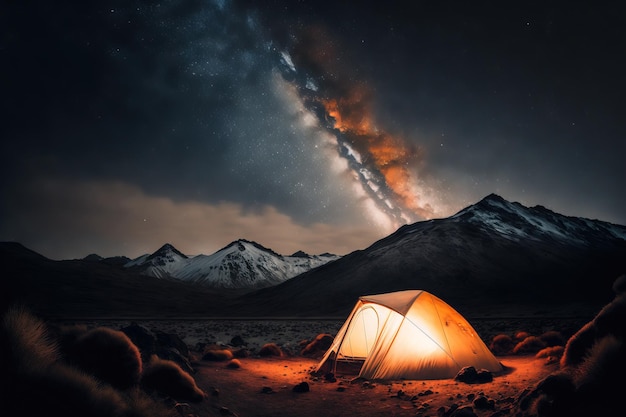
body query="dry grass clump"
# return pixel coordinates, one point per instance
(502, 344)
(552, 338)
(551, 353)
(216, 354)
(318, 346)
(271, 349)
(34, 368)
(234, 364)
(107, 354)
(167, 377)
(521, 335)
(593, 360)
(531, 344)
(523, 343)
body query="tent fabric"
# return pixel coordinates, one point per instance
(409, 334)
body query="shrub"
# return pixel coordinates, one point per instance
(550, 352)
(234, 364)
(217, 355)
(109, 355)
(501, 344)
(270, 349)
(552, 338)
(532, 344)
(578, 345)
(167, 377)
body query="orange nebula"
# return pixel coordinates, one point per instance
(390, 155)
(348, 107)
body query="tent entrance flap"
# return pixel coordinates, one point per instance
(361, 335)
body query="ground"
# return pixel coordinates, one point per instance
(263, 386)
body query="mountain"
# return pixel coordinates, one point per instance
(113, 260)
(490, 256)
(91, 288)
(240, 265)
(160, 264)
(519, 223)
(492, 259)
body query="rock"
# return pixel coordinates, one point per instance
(165, 345)
(483, 403)
(330, 377)
(442, 412)
(470, 375)
(143, 338)
(237, 341)
(467, 374)
(464, 412)
(301, 387)
(483, 376)
(172, 340)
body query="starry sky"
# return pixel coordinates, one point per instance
(302, 125)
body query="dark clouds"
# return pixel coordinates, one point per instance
(189, 103)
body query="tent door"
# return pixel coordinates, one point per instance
(358, 341)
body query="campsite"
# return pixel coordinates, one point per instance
(278, 367)
(264, 385)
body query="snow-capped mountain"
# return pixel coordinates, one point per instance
(517, 222)
(492, 252)
(490, 259)
(241, 264)
(160, 264)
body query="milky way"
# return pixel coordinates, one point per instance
(384, 165)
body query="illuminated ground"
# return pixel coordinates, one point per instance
(241, 391)
(263, 386)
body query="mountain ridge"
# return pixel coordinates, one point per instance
(242, 264)
(484, 259)
(501, 252)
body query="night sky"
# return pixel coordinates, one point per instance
(312, 125)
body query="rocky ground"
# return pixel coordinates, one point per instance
(280, 383)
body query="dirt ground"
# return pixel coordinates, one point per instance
(264, 387)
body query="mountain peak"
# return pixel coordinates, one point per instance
(241, 244)
(488, 204)
(515, 221)
(494, 197)
(166, 250)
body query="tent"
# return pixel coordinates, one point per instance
(408, 334)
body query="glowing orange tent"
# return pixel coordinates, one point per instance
(408, 334)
